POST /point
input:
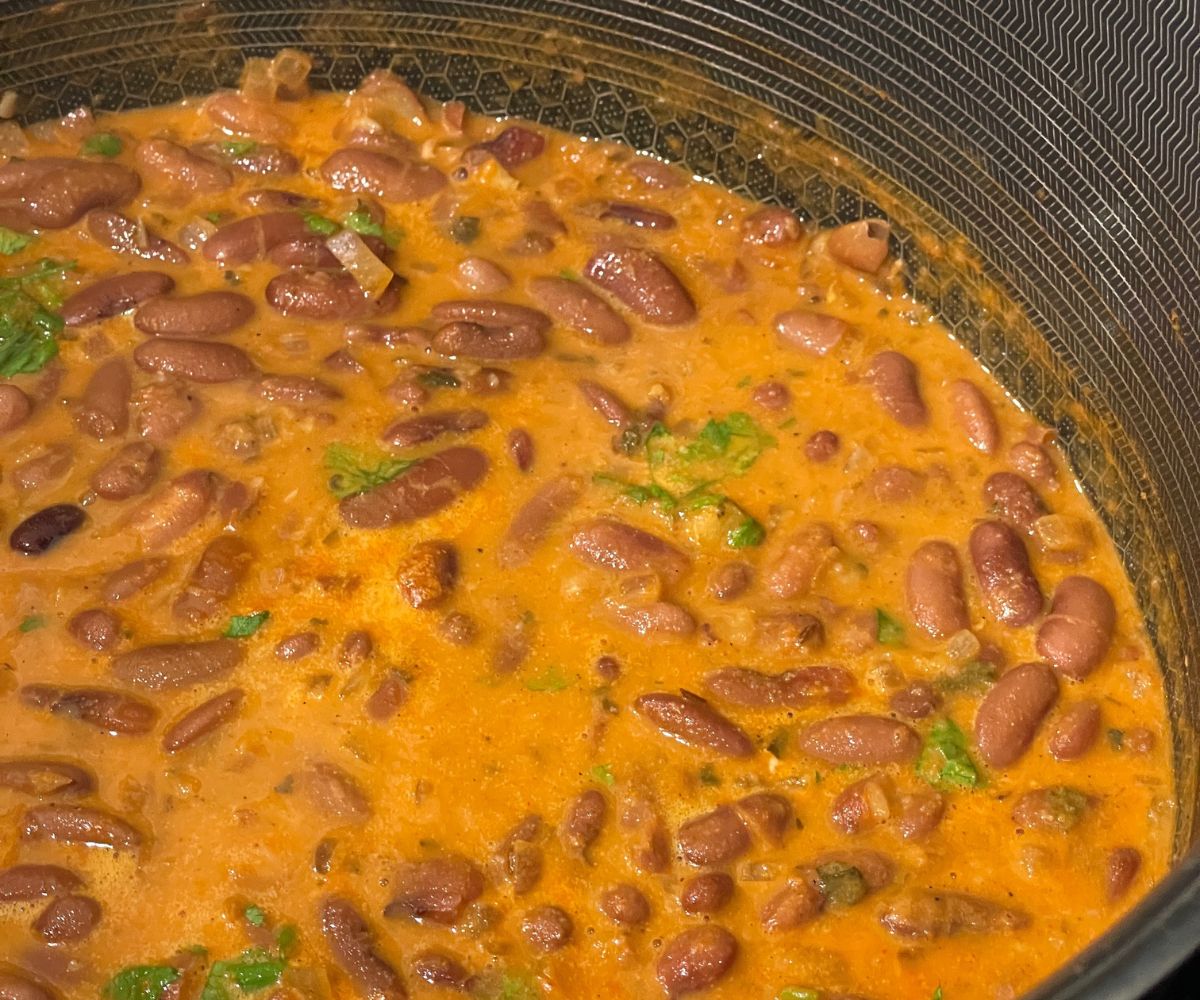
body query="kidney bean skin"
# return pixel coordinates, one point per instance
(581, 310)
(25, 883)
(916, 700)
(1075, 731)
(708, 893)
(895, 380)
(582, 822)
(335, 793)
(437, 889)
(606, 403)
(103, 411)
(200, 316)
(862, 245)
(643, 283)
(113, 296)
(656, 619)
(1077, 633)
(175, 509)
(975, 416)
(479, 343)
(793, 906)
(126, 581)
(714, 838)
(15, 408)
(386, 177)
(482, 276)
(427, 487)
(861, 739)
(694, 723)
(163, 409)
(198, 360)
(519, 858)
(40, 532)
(412, 431)
(14, 986)
(920, 814)
(68, 919)
(50, 464)
(619, 547)
(491, 313)
(427, 574)
(934, 586)
(95, 628)
(351, 941)
(175, 665)
(297, 646)
(122, 235)
(1034, 463)
(1051, 809)
(213, 579)
(862, 805)
(730, 581)
(793, 688)
(79, 825)
(60, 197)
(547, 929)
(932, 915)
(1121, 869)
(112, 712)
(171, 166)
(805, 554)
(42, 778)
(514, 146)
(1012, 711)
(1013, 500)
(329, 295)
(625, 905)
(771, 226)
(235, 112)
(520, 447)
(252, 238)
(205, 718)
(809, 332)
(696, 959)
(436, 969)
(1002, 568)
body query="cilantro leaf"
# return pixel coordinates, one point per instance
(551, 680)
(353, 472)
(28, 325)
(12, 242)
(503, 986)
(31, 623)
(887, 629)
(937, 994)
(243, 626)
(438, 378)
(778, 744)
(141, 982)
(973, 678)
(238, 147)
(255, 915)
(747, 534)
(603, 774)
(102, 144)
(797, 993)
(465, 229)
(944, 761)
(255, 969)
(319, 224)
(708, 776)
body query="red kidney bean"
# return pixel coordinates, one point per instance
(514, 146)
(388, 698)
(25, 883)
(535, 519)
(173, 665)
(519, 858)
(388, 178)
(296, 390)
(975, 415)
(175, 509)
(924, 915)
(433, 483)
(491, 313)
(582, 822)
(1057, 809)
(622, 548)
(1010, 590)
(1034, 463)
(264, 160)
(862, 805)
(916, 700)
(650, 850)
(205, 718)
(861, 739)
(297, 646)
(441, 970)
(17, 986)
(643, 283)
(638, 216)
(707, 893)
(895, 381)
(583, 311)
(788, 630)
(1077, 633)
(1012, 711)
(794, 688)
(129, 473)
(326, 295)
(200, 316)
(769, 815)
(112, 712)
(920, 814)
(693, 722)
(655, 173)
(862, 245)
(655, 619)
(40, 532)
(805, 554)
(730, 581)
(1075, 731)
(78, 825)
(52, 463)
(245, 240)
(771, 226)
(625, 904)
(482, 276)
(809, 332)
(356, 647)
(437, 889)
(696, 959)
(412, 431)
(67, 919)
(15, 408)
(547, 929)
(714, 838)
(113, 296)
(124, 236)
(335, 793)
(235, 112)
(214, 578)
(103, 411)
(1120, 870)
(606, 403)
(1139, 740)
(775, 396)
(519, 443)
(934, 586)
(793, 906)
(351, 942)
(1013, 500)
(126, 581)
(46, 777)
(427, 574)
(479, 343)
(163, 409)
(311, 252)
(275, 200)
(895, 484)
(61, 196)
(198, 360)
(180, 170)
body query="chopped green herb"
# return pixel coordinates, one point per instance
(746, 535)
(12, 242)
(141, 982)
(973, 678)
(603, 774)
(735, 441)
(214, 217)
(567, 273)
(438, 378)
(287, 940)
(255, 969)
(788, 424)
(709, 777)
(102, 144)
(944, 761)
(243, 626)
(841, 884)
(464, 229)
(503, 986)
(255, 915)
(1116, 739)
(28, 323)
(551, 680)
(319, 224)
(238, 147)
(1064, 806)
(887, 629)
(361, 222)
(798, 993)
(816, 777)
(31, 623)
(232, 278)
(778, 744)
(744, 381)
(352, 472)
(937, 994)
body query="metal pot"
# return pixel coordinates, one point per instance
(1038, 160)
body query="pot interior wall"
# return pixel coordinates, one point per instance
(1037, 216)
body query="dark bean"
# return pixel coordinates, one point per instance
(810, 332)
(772, 396)
(103, 411)
(174, 665)
(804, 556)
(95, 628)
(458, 628)
(1121, 868)
(122, 235)
(769, 815)
(771, 226)
(1077, 633)
(386, 177)
(792, 688)
(547, 929)
(915, 701)
(296, 389)
(934, 587)
(1075, 731)
(535, 519)
(519, 857)
(614, 545)
(583, 311)
(924, 915)
(412, 431)
(437, 889)
(1057, 809)
(200, 316)
(179, 169)
(861, 739)
(862, 805)
(112, 712)
(645, 284)
(693, 722)
(333, 792)
(427, 574)
(213, 580)
(975, 416)
(1012, 711)
(323, 855)
(40, 532)
(661, 619)
(163, 409)
(202, 720)
(920, 814)
(514, 146)
(519, 443)
(275, 199)
(607, 403)
(123, 583)
(1034, 463)
(245, 240)
(25, 883)
(625, 904)
(862, 245)
(1002, 568)
(326, 295)
(433, 483)
(15, 407)
(356, 647)
(175, 509)
(235, 112)
(1013, 500)
(696, 959)
(79, 825)
(788, 630)
(707, 893)
(714, 838)
(869, 872)
(442, 971)
(582, 822)
(45, 778)
(388, 698)
(483, 277)
(655, 174)
(351, 942)
(59, 197)
(297, 646)
(730, 581)
(113, 296)
(649, 850)
(16, 986)
(68, 919)
(894, 378)
(198, 360)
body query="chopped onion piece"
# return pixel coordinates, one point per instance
(12, 140)
(257, 82)
(289, 70)
(141, 238)
(8, 104)
(372, 274)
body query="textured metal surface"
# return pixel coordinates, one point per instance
(1058, 138)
